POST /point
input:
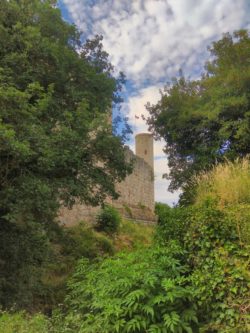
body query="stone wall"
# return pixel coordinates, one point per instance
(136, 197)
(138, 188)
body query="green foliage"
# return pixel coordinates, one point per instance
(204, 120)
(228, 186)
(128, 211)
(55, 97)
(220, 266)
(133, 292)
(133, 235)
(70, 245)
(197, 280)
(24, 253)
(82, 241)
(22, 323)
(214, 233)
(108, 220)
(172, 223)
(161, 210)
(218, 261)
(217, 241)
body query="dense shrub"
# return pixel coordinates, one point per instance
(172, 223)
(144, 291)
(220, 270)
(215, 234)
(108, 220)
(161, 210)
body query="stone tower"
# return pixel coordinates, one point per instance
(144, 148)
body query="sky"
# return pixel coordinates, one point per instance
(150, 41)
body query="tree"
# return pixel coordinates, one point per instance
(203, 121)
(55, 97)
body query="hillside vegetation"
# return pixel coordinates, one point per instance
(191, 272)
(194, 277)
(228, 186)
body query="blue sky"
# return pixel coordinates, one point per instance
(150, 41)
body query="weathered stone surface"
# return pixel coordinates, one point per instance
(136, 191)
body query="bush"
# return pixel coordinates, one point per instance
(172, 223)
(108, 220)
(218, 262)
(215, 236)
(143, 291)
(162, 210)
(219, 265)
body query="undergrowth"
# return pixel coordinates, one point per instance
(194, 276)
(21, 322)
(133, 235)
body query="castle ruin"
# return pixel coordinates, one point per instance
(136, 192)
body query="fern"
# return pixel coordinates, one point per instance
(133, 293)
(171, 321)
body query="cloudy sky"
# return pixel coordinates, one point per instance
(150, 41)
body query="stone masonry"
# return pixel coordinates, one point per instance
(136, 191)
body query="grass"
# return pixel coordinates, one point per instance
(22, 323)
(133, 235)
(227, 183)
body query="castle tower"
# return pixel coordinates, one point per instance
(144, 148)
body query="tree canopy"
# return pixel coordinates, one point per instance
(203, 121)
(56, 92)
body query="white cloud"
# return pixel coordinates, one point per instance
(135, 107)
(150, 40)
